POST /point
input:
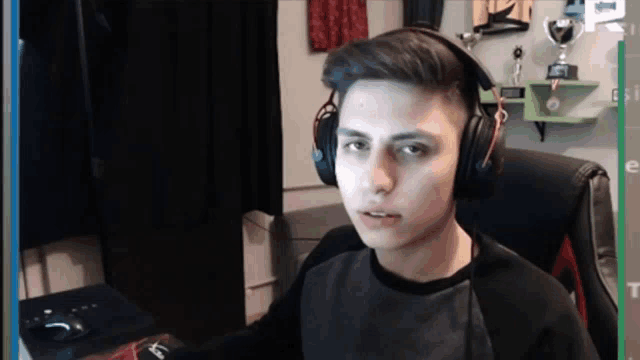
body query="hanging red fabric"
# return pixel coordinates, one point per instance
(333, 23)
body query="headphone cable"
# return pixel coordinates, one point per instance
(469, 332)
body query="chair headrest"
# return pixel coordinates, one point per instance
(534, 203)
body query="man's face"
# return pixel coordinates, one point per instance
(397, 151)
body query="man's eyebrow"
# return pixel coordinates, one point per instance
(412, 135)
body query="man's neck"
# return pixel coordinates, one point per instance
(432, 257)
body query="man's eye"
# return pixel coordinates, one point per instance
(355, 146)
(414, 150)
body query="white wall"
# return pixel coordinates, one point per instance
(300, 85)
(75, 262)
(303, 93)
(70, 264)
(593, 53)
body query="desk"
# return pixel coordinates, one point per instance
(155, 347)
(113, 321)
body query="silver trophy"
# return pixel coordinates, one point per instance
(516, 79)
(516, 91)
(563, 33)
(470, 39)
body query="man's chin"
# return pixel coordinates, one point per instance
(386, 238)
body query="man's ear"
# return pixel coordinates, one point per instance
(453, 94)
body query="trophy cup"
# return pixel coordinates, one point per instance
(470, 39)
(516, 91)
(562, 33)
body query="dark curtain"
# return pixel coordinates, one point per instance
(188, 126)
(240, 83)
(201, 113)
(54, 178)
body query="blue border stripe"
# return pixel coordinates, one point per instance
(15, 179)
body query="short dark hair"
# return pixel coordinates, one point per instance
(406, 57)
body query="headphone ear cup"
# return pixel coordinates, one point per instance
(467, 150)
(497, 156)
(326, 152)
(473, 181)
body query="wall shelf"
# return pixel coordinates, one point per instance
(570, 93)
(606, 104)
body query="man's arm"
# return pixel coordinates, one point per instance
(566, 338)
(277, 333)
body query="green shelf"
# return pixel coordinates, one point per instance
(570, 92)
(561, 119)
(607, 104)
(564, 83)
(491, 100)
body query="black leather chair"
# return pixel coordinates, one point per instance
(556, 212)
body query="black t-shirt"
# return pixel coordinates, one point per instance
(349, 307)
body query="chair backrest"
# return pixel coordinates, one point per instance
(554, 211)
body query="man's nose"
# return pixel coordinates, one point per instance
(381, 176)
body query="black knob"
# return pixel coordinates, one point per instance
(517, 52)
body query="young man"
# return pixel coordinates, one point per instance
(404, 294)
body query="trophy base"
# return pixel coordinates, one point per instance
(512, 92)
(562, 71)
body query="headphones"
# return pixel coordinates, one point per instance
(481, 159)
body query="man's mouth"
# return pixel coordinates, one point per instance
(377, 220)
(380, 215)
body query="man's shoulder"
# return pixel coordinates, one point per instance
(505, 275)
(502, 265)
(520, 301)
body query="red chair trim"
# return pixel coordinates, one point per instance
(567, 259)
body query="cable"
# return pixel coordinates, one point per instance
(258, 225)
(46, 281)
(275, 232)
(85, 72)
(95, 163)
(24, 275)
(469, 332)
(469, 336)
